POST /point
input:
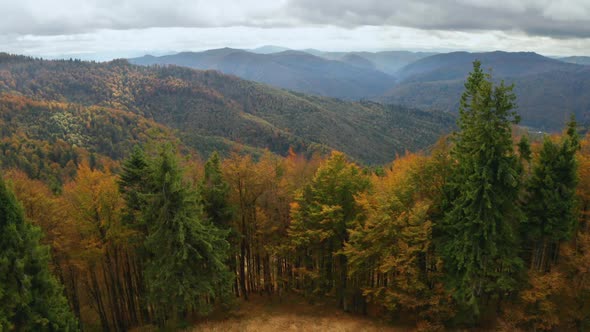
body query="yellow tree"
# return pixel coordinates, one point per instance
(390, 250)
(321, 215)
(94, 204)
(247, 185)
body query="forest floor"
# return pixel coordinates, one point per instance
(262, 314)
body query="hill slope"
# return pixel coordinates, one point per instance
(547, 90)
(580, 60)
(293, 70)
(209, 110)
(389, 62)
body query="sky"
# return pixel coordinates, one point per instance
(106, 29)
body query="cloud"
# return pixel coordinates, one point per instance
(553, 18)
(57, 17)
(115, 28)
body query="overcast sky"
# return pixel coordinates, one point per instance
(103, 29)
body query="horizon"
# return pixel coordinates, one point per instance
(102, 30)
(105, 57)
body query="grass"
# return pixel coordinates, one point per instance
(262, 314)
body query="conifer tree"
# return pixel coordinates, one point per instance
(550, 206)
(30, 297)
(214, 192)
(132, 182)
(478, 232)
(185, 267)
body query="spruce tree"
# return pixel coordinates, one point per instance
(478, 230)
(185, 267)
(31, 299)
(551, 200)
(132, 184)
(214, 192)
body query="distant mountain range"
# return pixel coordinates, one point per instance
(293, 70)
(74, 101)
(547, 90)
(389, 62)
(580, 60)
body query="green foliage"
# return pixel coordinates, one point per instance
(185, 265)
(478, 231)
(133, 185)
(551, 198)
(214, 192)
(31, 298)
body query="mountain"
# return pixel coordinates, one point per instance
(580, 60)
(547, 90)
(206, 110)
(293, 70)
(268, 49)
(389, 62)
(456, 65)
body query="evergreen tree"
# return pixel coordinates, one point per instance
(214, 192)
(185, 267)
(478, 232)
(132, 184)
(30, 297)
(550, 206)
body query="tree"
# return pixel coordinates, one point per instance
(132, 184)
(390, 250)
(32, 299)
(321, 215)
(478, 232)
(551, 203)
(185, 266)
(214, 192)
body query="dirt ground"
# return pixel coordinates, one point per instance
(262, 314)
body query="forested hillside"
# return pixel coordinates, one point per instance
(488, 230)
(211, 111)
(548, 89)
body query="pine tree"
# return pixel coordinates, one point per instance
(478, 239)
(31, 298)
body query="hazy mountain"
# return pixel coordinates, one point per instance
(294, 70)
(389, 62)
(580, 60)
(548, 90)
(269, 49)
(209, 110)
(456, 65)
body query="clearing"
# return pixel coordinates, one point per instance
(262, 314)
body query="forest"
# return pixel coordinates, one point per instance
(489, 228)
